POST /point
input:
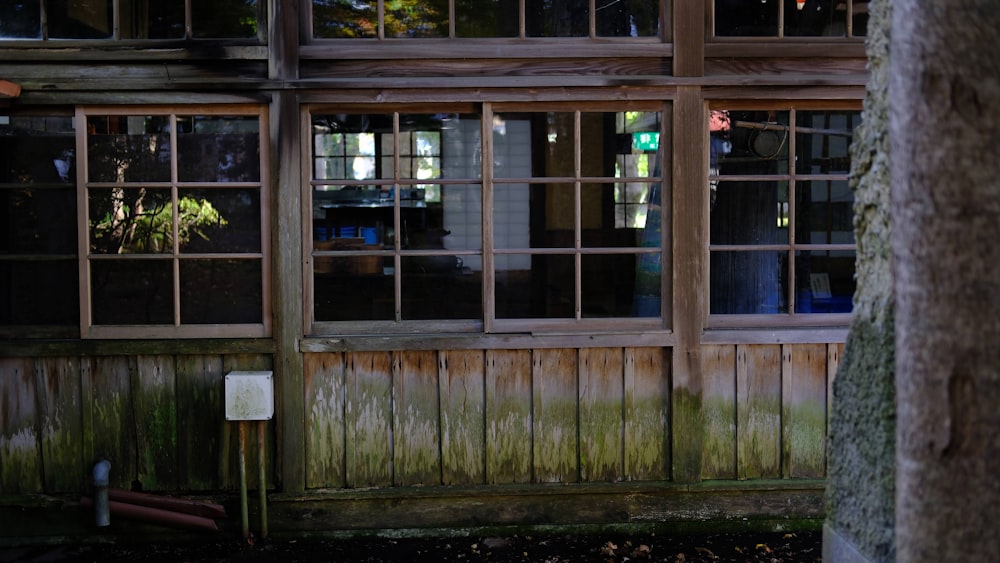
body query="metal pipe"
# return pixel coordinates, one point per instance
(244, 517)
(262, 477)
(156, 515)
(102, 509)
(198, 508)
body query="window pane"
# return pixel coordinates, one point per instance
(80, 19)
(127, 292)
(823, 140)
(557, 18)
(627, 18)
(38, 221)
(535, 286)
(39, 293)
(825, 281)
(142, 19)
(218, 149)
(440, 287)
(224, 18)
(20, 20)
(742, 18)
(353, 288)
(220, 291)
(748, 282)
(824, 212)
(749, 213)
(609, 287)
(130, 221)
(345, 18)
(416, 18)
(486, 18)
(128, 148)
(755, 142)
(219, 220)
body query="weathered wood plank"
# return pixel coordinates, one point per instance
(602, 422)
(758, 409)
(416, 419)
(154, 398)
(804, 411)
(325, 433)
(508, 416)
(60, 424)
(204, 459)
(647, 415)
(368, 419)
(719, 411)
(463, 412)
(834, 353)
(20, 451)
(111, 413)
(554, 416)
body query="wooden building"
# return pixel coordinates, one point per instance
(511, 262)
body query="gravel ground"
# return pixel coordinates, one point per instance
(799, 547)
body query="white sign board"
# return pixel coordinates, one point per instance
(249, 395)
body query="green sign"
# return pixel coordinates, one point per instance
(645, 141)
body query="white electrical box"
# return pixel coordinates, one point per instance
(249, 395)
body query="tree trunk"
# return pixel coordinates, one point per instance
(944, 133)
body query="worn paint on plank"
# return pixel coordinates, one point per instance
(20, 451)
(647, 415)
(758, 404)
(113, 424)
(60, 424)
(719, 411)
(368, 419)
(602, 420)
(154, 397)
(203, 461)
(554, 415)
(416, 419)
(324, 407)
(508, 416)
(463, 451)
(804, 410)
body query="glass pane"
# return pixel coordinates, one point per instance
(224, 18)
(20, 20)
(611, 285)
(221, 291)
(440, 287)
(860, 18)
(37, 150)
(743, 18)
(130, 221)
(825, 281)
(462, 219)
(39, 293)
(512, 145)
(80, 19)
(38, 221)
(627, 18)
(219, 220)
(748, 282)
(218, 149)
(416, 18)
(749, 213)
(557, 18)
(823, 140)
(127, 292)
(142, 19)
(535, 286)
(824, 212)
(486, 18)
(749, 142)
(355, 288)
(345, 18)
(815, 17)
(133, 148)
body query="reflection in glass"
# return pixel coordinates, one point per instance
(535, 286)
(439, 287)
(130, 221)
(824, 281)
(69, 19)
(219, 220)
(218, 149)
(808, 18)
(607, 286)
(38, 221)
(353, 288)
(750, 282)
(486, 18)
(221, 291)
(142, 19)
(416, 18)
(823, 140)
(128, 148)
(127, 292)
(750, 213)
(20, 20)
(557, 18)
(40, 292)
(824, 212)
(627, 18)
(345, 18)
(224, 18)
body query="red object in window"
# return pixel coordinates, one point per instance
(799, 4)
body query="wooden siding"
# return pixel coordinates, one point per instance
(765, 409)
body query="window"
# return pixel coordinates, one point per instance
(131, 19)
(476, 18)
(39, 293)
(790, 18)
(781, 239)
(488, 218)
(174, 237)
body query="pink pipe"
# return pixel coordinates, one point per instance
(156, 515)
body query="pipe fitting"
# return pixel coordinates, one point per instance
(102, 505)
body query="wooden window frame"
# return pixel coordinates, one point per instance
(176, 330)
(489, 324)
(788, 319)
(780, 37)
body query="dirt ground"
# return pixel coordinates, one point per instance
(799, 547)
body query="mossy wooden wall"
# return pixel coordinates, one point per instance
(159, 420)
